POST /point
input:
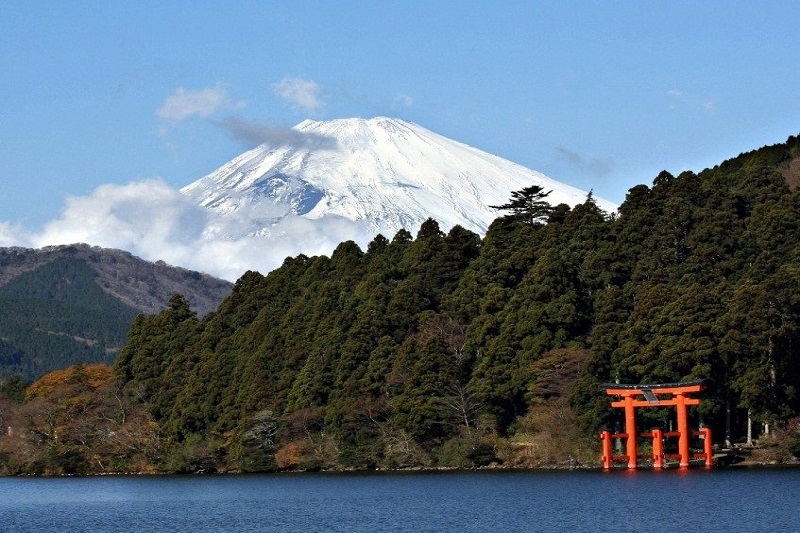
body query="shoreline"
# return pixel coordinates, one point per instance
(742, 465)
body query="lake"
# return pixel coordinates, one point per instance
(694, 500)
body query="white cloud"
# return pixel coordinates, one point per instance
(185, 104)
(304, 94)
(401, 101)
(140, 215)
(11, 235)
(153, 221)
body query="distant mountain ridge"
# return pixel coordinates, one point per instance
(383, 173)
(63, 305)
(143, 285)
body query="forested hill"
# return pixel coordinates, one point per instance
(451, 349)
(143, 285)
(441, 341)
(63, 305)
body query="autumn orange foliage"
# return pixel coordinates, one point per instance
(93, 376)
(291, 455)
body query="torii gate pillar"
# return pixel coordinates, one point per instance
(630, 429)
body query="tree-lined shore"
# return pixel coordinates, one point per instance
(451, 350)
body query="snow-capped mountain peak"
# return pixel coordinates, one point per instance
(382, 173)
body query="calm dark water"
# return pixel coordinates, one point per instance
(720, 500)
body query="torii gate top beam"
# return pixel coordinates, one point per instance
(620, 389)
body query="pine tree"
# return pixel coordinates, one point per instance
(528, 205)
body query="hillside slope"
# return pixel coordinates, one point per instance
(67, 304)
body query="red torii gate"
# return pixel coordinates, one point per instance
(650, 394)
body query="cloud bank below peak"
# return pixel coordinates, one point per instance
(156, 222)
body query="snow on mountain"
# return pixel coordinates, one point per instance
(382, 173)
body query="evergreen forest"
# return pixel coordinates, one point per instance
(57, 316)
(447, 349)
(71, 304)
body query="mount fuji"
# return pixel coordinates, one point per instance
(381, 174)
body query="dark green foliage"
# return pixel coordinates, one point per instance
(528, 205)
(57, 316)
(794, 444)
(13, 388)
(421, 348)
(62, 305)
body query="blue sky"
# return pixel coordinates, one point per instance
(600, 95)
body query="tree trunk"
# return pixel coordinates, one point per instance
(727, 422)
